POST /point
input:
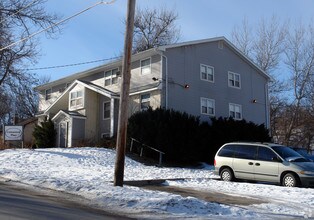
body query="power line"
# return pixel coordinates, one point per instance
(56, 24)
(73, 64)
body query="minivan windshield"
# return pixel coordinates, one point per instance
(286, 153)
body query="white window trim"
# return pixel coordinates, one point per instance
(233, 73)
(240, 107)
(77, 106)
(111, 76)
(212, 81)
(214, 103)
(46, 94)
(150, 66)
(142, 109)
(103, 109)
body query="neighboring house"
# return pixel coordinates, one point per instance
(28, 128)
(205, 78)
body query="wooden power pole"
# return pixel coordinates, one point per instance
(124, 96)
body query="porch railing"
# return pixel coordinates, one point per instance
(142, 146)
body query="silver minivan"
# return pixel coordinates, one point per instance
(264, 162)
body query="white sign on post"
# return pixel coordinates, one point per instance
(13, 133)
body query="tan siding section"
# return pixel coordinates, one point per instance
(92, 113)
(135, 105)
(56, 92)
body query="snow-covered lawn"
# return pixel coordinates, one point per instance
(88, 172)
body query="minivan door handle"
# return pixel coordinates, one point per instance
(250, 163)
(257, 164)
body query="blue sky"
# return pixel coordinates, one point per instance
(99, 32)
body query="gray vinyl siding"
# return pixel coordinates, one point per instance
(184, 68)
(78, 134)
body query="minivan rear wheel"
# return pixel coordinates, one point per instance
(226, 174)
(289, 180)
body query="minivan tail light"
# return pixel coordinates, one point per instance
(214, 162)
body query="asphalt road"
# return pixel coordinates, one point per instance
(18, 203)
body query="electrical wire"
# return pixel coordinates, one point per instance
(27, 6)
(56, 24)
(73, 64)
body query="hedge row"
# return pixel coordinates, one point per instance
(185, 139)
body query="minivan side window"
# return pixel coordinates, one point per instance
(265, 154)
(246, 152)
(227, 151)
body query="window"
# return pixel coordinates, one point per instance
(227, 151)
(48, 94)
(76, 99)
(235, 111)
(246, 152)
(265, 154)
(207, 73)
(145, 66)
(234, 80)
(145, 101)
(106, 110)
(207, 106)
(111, 77)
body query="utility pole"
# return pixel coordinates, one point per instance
(124, 96)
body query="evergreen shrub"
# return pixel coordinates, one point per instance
(186, 140)
(45, 134)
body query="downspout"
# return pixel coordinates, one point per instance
(160, 52)
(267, 108)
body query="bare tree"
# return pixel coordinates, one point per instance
(154, 27)
(242, 37)
(26, 99)
(263, 43)
(5, 106)
(300, 60)
(18, 20)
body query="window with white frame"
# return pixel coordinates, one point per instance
(76, 99)
(48, 94)
(207, 73)
(207, 106)
(146, 66)
(145, 101)
(235, 111)
(111, 77)
(106, 110)
(234, 80)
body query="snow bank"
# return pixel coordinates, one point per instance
(89, 172)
